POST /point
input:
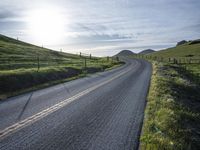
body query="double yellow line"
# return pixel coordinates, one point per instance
(30, 120)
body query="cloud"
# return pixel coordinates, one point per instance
(110, 24)
(6, 15)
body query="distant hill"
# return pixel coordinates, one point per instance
(181, 42)
(188, 49)
(147, 51)
(195, 42)
(125, 53)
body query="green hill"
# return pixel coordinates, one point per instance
(125, 53)
(16, 54)
(173, 112)
(185, 50)
(25, 67)
(147, 51)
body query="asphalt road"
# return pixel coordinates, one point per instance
(100, 112)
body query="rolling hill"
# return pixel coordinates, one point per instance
(189, 49)
(15, 54)
(125, 53)
(147, 51)
(26, 67)
(173, 102)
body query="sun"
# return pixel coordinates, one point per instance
(46, 26)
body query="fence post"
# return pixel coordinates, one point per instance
(107, 58)
(85, 63)
(38, 62)
(117, 58)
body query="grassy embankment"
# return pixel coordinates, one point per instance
(25, 67)
(172, 115)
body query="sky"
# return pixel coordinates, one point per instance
(101, 27)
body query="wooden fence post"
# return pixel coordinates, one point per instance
(38, 63)
(107, 58)
(85, 63)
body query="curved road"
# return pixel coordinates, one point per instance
(100, 112)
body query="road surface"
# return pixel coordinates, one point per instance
(99, 112)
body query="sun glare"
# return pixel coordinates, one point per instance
(46, 26)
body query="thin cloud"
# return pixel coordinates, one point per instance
(110, 24)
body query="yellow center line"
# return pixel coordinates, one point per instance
(30, 120)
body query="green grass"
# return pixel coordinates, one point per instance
(186, 50)
(172, 116)
(19, 71)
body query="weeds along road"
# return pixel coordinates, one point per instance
(100, 112)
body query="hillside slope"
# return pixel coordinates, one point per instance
(16, 54)
(147, 51)
(26, 67)
(184, 50)
(173, 107)
(125, 53)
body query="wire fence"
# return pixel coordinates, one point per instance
(184, 65)
(38, 61)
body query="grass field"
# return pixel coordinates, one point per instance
(172, 115)
(25, 67)
(186, 50)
